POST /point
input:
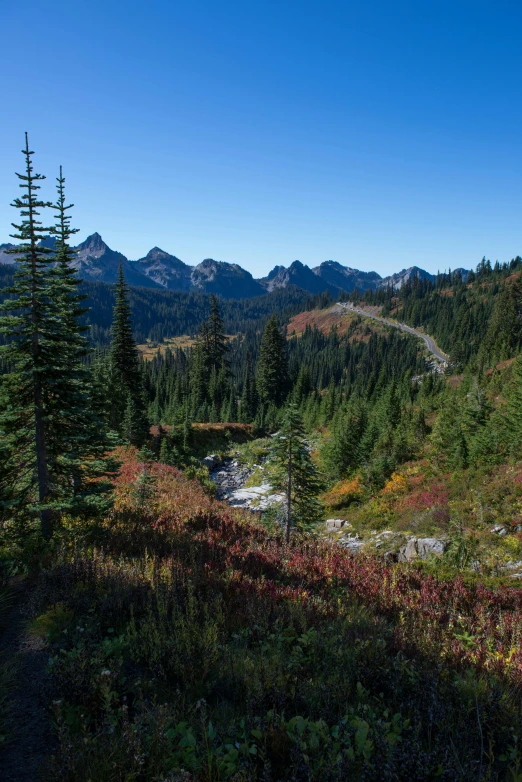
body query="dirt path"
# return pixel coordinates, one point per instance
(30, 737)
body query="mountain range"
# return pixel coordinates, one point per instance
(95, 260)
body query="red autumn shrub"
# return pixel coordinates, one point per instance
(443, 620)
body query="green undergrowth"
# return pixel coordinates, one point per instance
(156, 669)
(219, 438)
(477, 510)
(188, 643)
(252, 453)
(196, 646)
(7, 671)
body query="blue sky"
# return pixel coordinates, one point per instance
(378, 134)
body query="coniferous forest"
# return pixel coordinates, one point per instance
(359, 618)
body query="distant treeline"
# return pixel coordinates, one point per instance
(158, 314)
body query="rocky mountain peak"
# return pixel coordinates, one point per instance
(156, 253)
(93, 245)
(275, 271)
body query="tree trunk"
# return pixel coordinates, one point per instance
(289, 497)
(42, 469)
(46, 522)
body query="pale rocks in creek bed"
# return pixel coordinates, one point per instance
(211, 461)
(230, 478)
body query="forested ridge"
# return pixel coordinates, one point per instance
(476, 320)
(185, 639)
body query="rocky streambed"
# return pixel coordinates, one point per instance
(230, 477)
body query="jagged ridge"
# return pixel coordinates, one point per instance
(95, 260)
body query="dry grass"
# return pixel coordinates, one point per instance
(150, 350)
(325, 320)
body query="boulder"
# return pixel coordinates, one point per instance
(428, 546)
(351, 544)
(211, 461)
(336, 524)
(422, 548)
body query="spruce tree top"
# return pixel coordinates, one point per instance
(32, 265)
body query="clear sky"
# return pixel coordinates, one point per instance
(376, 133)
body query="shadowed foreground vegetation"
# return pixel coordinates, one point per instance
(187, 642)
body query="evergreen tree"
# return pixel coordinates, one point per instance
(248, 402)
(504, 335)
(448, 435)
(199, 378)
(165, 454)
(27, 356)
(216, 342)
(127, 393)
(295, 474)
(342, 453)
(513, 414)
(210, 373)
(76, 435)
(272, 369)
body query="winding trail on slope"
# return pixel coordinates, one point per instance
(428, 341)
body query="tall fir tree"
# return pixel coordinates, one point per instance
(272, 368)
(27, 356)
(217, 347)
(210, 372)
(341, 453)
(76, 434)
(513, 412)
(295, 474)
(127, 413)
(248, 401)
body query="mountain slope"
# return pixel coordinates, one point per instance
(345, 278)
(4, 256)
(400, 278)
(96, 261)
(225, 279)
(165, 270)
(296, 274)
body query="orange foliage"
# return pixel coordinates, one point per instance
(344, 492)
(396, 485)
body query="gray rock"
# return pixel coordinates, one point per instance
(422, 548)
(512, 565)
(352, 544)
(336, 524)
(498, 529)
(212, 461)
(428, 546)
(409, 551)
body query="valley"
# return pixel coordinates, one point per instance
(260, 392)
(263, 524)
